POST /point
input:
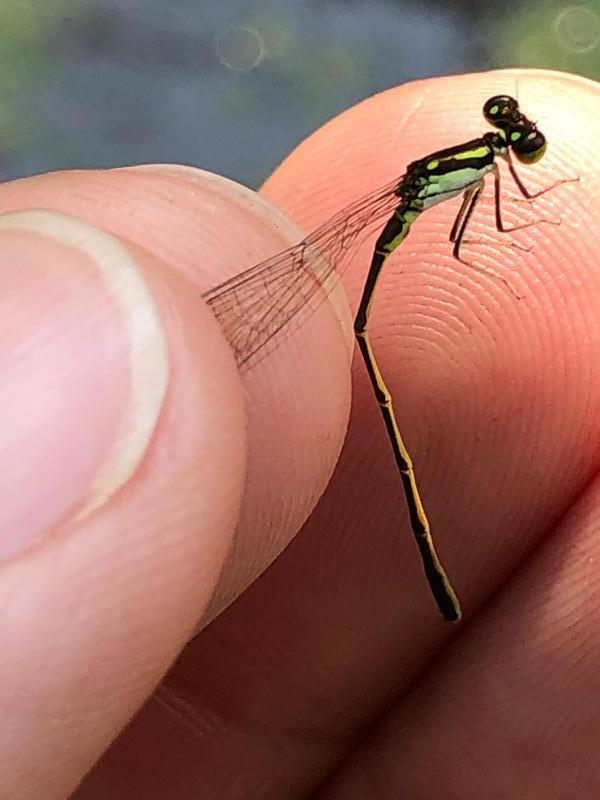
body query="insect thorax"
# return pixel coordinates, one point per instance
(497, 142)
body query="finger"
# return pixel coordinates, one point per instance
(499, 404)
(512, 710)
(121, 483)
(497, 398)
(207, 229)
(482, 381)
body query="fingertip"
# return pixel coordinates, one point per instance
(375, 139)
(463, 357)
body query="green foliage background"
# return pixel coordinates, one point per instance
(232, 86)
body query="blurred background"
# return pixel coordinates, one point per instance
(233, 85)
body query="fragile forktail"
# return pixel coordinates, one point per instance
(256, 304)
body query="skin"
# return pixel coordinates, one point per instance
(332, 676)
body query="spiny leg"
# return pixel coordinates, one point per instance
(524, 190)
(392, 235)
(466, 199)
(500, 226)
(464, 209)
(470, 199)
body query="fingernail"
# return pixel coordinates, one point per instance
(83, 372)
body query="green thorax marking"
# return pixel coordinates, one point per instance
(442, 175)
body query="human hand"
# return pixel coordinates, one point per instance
(281, 694)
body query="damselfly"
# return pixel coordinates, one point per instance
(254, 306)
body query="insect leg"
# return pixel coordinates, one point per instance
(470, 199)
(524, 190)
(500, 226)
(459, 217)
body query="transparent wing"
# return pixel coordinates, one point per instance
(259, 303)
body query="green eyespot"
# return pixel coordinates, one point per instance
(501, 108)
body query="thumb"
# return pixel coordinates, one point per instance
(120, 487)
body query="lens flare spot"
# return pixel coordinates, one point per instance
(577, 29)
(240, 49)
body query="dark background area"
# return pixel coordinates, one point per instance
(233, 86)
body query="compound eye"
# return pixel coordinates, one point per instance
(529, 147)
(500, 107)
